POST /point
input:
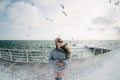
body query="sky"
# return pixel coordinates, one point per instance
(68, 19)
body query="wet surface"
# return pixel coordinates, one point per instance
(99, 67)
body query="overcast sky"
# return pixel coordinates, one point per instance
(68, 19)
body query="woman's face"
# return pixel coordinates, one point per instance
(60, 43)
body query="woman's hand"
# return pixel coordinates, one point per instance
(60, 64)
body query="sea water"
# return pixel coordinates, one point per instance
(44, 47)
(49, 44)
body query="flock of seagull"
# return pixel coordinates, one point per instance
(63, 11)
(117, 3)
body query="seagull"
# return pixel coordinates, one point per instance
(101, 29)
(72, 38)
(110, 1)
(32, 3)
(113, 9)
(28, 35)
(64, 13)
(117, 3)
(29, 26)
(49, 19)
(62, 6)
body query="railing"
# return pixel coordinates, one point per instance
(97, 50)
(20, 55)
(23, 55)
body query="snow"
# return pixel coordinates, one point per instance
(101, 67)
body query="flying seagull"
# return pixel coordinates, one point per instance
(102, 29)
(110, 1)
(64, 13)
(117, 3)
(49, 19)
(29, 26)
(62, 6)
(28, 35)
(32, 3)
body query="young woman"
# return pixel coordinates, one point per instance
(59, 58)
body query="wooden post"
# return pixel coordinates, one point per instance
(101, 50)
(10, 55)
(27, 56)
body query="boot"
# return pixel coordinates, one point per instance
(59, 78)
(56, 78)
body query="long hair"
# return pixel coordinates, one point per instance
(66, 49)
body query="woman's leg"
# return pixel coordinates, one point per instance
(56, 74)
(61, 74)
(56, 78)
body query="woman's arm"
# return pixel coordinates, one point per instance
(51, 61)
(65, 61)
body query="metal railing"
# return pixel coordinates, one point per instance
(97, 50)
(23, 55)
(20, 55)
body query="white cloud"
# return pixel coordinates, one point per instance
(110, 17)
(108, 22)
(3, 4)
(46, 2)
(102, 21)
(26, 19)
(22, 14)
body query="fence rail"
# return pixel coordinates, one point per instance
(19, 55)
(97, 50)
(23, 55)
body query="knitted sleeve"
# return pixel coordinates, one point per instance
(66, 60)
(51, 61)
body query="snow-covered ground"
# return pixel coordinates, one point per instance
(101, 67)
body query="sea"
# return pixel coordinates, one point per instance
(44, 47)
